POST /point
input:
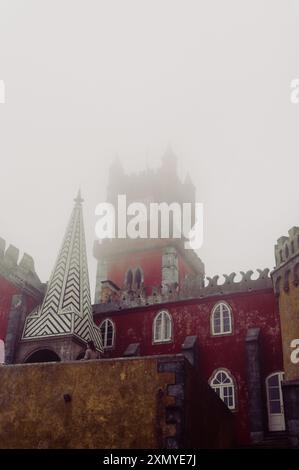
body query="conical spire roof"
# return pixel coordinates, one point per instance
(66, 308)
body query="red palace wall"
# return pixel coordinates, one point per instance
(192, 317)
(7, 290)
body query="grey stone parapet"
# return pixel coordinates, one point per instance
(20, 273)
(191, 288)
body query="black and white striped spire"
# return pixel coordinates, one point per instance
(66, 308)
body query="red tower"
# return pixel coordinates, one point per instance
(142, 264)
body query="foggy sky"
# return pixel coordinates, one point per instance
(87, 80)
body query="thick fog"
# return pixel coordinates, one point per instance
(87, 80)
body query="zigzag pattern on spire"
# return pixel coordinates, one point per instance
(66, 308)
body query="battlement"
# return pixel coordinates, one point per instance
(191, 288)
(20, 273)
(287, 247)
(212, 287)
(149, 184)
(286, 269)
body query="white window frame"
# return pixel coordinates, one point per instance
(107, 321)
(221, 386)
(273, 416)
(165, 316)
(222, 306)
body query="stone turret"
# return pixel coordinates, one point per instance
(287, 247)
(20, 273)
(286, 285)
(21, 289)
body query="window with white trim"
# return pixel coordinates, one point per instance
(108, 333)
(221, 319)
(162, 327)
(223, 384)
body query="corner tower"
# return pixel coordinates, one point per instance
(63, 322)
(286, 286)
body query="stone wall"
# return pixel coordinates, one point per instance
(144, 402)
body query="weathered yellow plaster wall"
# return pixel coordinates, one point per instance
(129, 403)
(289, 314)
(114, 404)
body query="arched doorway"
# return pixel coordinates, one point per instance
(43, 355)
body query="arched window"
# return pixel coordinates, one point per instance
(138, 278)
(287, 251)
(108, 333)
(129, 279)
(223, 384)
(162, 327)
(221, 319)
